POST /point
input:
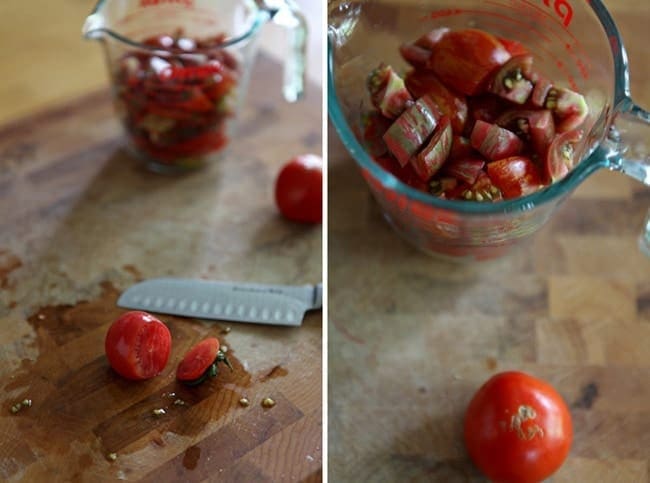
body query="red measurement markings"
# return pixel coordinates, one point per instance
(563, 9)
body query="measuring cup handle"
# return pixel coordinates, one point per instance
(288, 15)
(632, 154)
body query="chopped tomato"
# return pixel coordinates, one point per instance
(421, 83)
(466, 170)
(514, 176)
(465, 59)
(429, 161)
(495, 142)
(409, 132)
(513, 47)
(560, 157)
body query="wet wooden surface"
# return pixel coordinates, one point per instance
(411, 338)
(79, 222)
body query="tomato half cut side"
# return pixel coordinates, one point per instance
(200, 362)
(137, 345)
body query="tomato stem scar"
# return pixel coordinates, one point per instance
(525, 413)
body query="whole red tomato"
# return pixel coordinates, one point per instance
(517, 429)
(299, 189)
(138, 345)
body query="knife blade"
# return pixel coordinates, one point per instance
(220, 300)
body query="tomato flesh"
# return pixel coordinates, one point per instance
(517, 429)
(198, 360)
(514, 176)
(410, 131)
(421, 83)
(429, 161)
(495, 142)
(299, 189)
(137, 345)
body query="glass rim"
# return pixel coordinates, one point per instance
(261, 17)
(594, 161)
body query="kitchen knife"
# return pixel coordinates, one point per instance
(234, 301)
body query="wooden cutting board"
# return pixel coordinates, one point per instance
(80, 221)
(412, 338)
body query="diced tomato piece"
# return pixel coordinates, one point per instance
(570, 107)
(388, 92)
(466, 170)
(406, 174)
(431, 39)
(461, 148)
(409, 132)
(514, 176)
(512, 81)
(374, 126)
(540, 91)
(485, 107)
(535, 126)
(414, 55)
(429, 161)
(561, 155)
(515, 48)
(464, 60)
(495, 142)
(421, 83)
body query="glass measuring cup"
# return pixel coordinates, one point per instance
(179, 70)
(575, 43)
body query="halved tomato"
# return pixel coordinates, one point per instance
(201, 362)
(514, 176)
(137, 345)
(464, 60)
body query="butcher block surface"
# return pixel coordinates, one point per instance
(412, 338)
(80, 221)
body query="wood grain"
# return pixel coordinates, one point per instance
(412, 338)
(79, 222)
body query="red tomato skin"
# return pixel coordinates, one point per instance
(137, 345)
(299, 189)
(508, 449)
(463, 60)
(198, 359)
